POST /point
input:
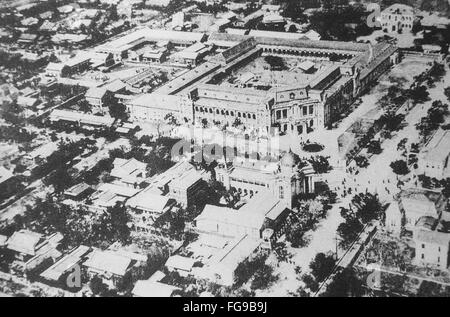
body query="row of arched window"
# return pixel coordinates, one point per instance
(223, 112)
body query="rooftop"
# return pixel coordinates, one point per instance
(5, 174)
(96, 92)
(179, 83)
(433, 237)
(159, 100)
(109, 262)
(24, 241)
(418, 205)
(65, 264)
(85, 118)
(147, 200)
(309, 44)
(399, 8)
(77, 189)
(186, 180)
(128, 168)
(180, 263)
(153, 289)
(438, 148)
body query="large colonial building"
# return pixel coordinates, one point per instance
(284, 180)
(397, 18)
(330, 75)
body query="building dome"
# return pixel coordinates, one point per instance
(288, 159)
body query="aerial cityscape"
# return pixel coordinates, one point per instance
(224, 148)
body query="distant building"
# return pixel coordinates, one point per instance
(116, 86)
(156, 107)
(261, 212)
(82, 119)
(181, 264)
(434, 159)
(27, 102)
(58, 272)
(97, 97)
(5, 176)
(66, 9)
(408, 211)
(397, 18)
(129, 172)
(109, 194)
(193, 54)
(178, 21)
(157, 55)
(78, 192)
(281, 179)
(27, 38)
(40, 153)
(187, 187)
(111, 266)
(57, 70)
(221, 266)
(79, 63)
(146, 207)
(432, 248)
(412, 207)
(153, 289)
(157, 3)
(101, 59)
(120, 47)
(31, 249)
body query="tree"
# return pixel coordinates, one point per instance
(176, 224)
(97, 286)
(419, 94)
(275, 62)
(437, 71)
(156, 257)
(348, 231)
(366, 207)
(310, 282)
(204, 123)
(60, 179)
(322, 266)
(399, 167)
(374, 147)
(437, 112)
(237, 122)
(447, 93)
(320, 164)
(282, 253)
(116, 222)
(117, 110)
(425, 127)
(295, 234)
(345, 284)
(171, 119)
(247, 268)
(392, 121)
(361, 161)
(446, 187)
(263, 277)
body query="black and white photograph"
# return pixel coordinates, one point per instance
(250, 150)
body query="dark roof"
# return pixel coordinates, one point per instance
(332, 45)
